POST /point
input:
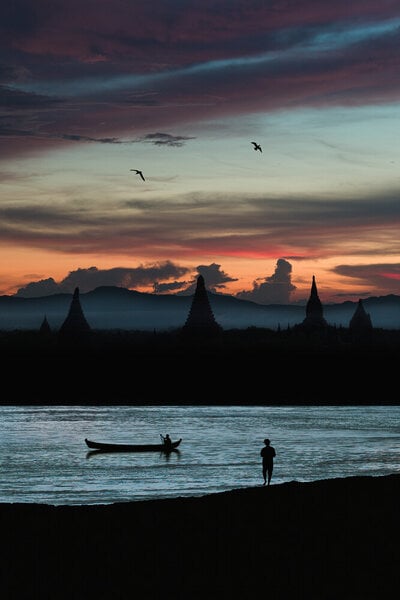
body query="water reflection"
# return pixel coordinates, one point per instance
(165, 454)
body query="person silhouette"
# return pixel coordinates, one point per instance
(167, 442)
(268, 454)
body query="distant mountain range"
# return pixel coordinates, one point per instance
(120, 308)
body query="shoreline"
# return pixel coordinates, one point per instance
(324, 539)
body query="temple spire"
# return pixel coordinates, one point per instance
(75, 322)
(201, 318)
(314, 311)
(45, 327)
(361, 320)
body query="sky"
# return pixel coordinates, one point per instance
(179, 90)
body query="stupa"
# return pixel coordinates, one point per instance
(44, 327)
(75, 323)
(361, 320)
(201, 318)
(314, 311)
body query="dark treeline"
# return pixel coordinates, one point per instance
(253, 340)
(243, 367)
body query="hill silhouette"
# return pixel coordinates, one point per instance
(109, 307)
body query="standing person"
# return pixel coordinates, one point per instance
(268, 454)
(167, 442)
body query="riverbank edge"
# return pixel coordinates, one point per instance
(325, 539)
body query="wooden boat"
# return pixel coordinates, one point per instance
(104, 447)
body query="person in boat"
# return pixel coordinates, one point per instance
(268, 454)
(167, 441)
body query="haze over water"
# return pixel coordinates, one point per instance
(44, 458)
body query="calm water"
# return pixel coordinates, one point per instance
(44, 458)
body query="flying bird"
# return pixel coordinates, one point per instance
(256, 146)
(139, 173)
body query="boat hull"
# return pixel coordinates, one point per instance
(106, 447)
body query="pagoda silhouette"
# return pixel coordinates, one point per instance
(201, 320)
(75, 325)
(314, 312)
(360, 325)
(361, 320)
(45, 327)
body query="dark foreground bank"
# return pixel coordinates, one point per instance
(331, 539)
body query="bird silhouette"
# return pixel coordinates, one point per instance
(256, 146)
(139, 173)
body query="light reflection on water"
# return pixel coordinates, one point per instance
(44, 459)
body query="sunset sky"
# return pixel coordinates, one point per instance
(179, 89)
